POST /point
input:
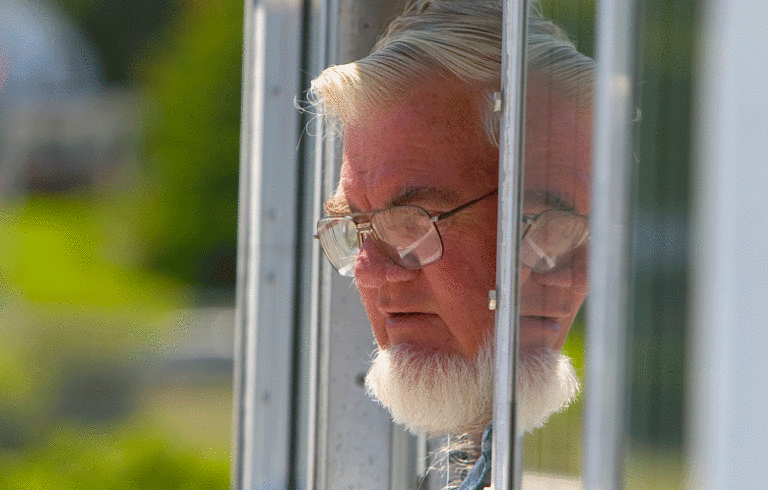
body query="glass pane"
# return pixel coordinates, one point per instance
(658, 271)
(660, 236)
(558, 161)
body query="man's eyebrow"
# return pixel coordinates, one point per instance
(422, 194)
(549, 199)
(336, 205)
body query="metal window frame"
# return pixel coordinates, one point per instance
(507, 456)
(267, 248)
(344, 438)
(604, 429)
(353, 442)
(728, 368)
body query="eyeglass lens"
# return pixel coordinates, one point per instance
(407, 236)
(338, 237)
(551, 240)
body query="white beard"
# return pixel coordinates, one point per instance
(437, 393)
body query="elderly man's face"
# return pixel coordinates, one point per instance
(430, 152)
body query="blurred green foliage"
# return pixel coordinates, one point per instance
(86, 276)
(183, 57)
(556, 448)
(127, 459)
(121, 32)
(576, 18)
(659, 224)
(81, 338)
(185, 206)
(73, 250)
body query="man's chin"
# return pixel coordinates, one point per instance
(437, 393)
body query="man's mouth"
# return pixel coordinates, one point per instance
(407, 316)
(424, 330)
(401, 314)
(543, 322)
(408, 320)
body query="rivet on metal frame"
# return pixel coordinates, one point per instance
(492, 300)
(497, 102)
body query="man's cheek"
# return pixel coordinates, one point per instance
(368, 298)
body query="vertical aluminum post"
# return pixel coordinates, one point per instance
(507, 446)
(607, 314)
(727, 416)
(267, 252)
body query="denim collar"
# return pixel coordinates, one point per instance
(480, 476)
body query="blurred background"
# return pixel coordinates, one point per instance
(119, 129)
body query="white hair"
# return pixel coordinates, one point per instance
(460, 39)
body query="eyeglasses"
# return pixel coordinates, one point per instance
(552, 239)
(409, 237)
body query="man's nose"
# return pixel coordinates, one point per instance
(373, 268)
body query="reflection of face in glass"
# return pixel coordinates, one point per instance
(557, 177)
(430, 152)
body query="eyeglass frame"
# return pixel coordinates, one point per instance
(366, 227)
